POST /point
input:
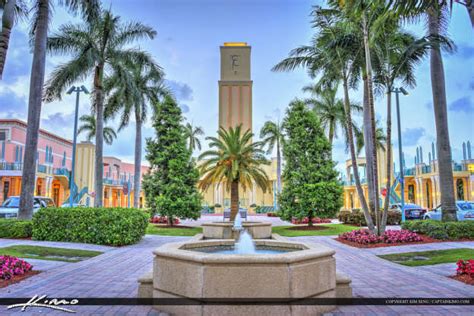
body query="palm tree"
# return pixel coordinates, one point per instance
(435, 13)
(272, 134)
(192, 134)
(395, 59)
(380, 139)
(89, 126)
(41, 17)
(330, 109)
(98, 45)
(334, 54)
(12, 11)
(132, 89)
(235, 160)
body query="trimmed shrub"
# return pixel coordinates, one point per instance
(14, 228)
(103, 226)
(442, 230)
(357, 217)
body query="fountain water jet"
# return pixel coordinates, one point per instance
(245, 244)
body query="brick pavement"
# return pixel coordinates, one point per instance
(115, 273)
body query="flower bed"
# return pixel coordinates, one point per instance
(273, 214)
(465, 271)
(12, 266)
(315, 220)
(163, 220)
(363, 238)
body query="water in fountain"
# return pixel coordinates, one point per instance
(245, 245)
(238, 222)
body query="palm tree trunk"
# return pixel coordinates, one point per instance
(278, 174)
(350, 139)
(368, 65)
(234, 199)
(441, 120)
(138, 159)
(99, 135)
(7, 24)
(34, 111)
(389, 160)
(470, 10)
(368, 146)
(331, 133)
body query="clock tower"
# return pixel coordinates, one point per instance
(235, 86)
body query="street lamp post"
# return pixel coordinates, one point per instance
(78, 90)
(397, 91)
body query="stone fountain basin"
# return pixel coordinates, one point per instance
(308, 272)
(225, 230)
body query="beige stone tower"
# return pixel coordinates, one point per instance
(235, 86)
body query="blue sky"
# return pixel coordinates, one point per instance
(187, 47)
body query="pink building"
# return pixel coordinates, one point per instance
(53, 168)
(54, 160)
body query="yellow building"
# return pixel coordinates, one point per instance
(421, 181)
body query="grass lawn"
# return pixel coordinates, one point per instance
(330, 229)
(424, 258)
(49, 253)
(174, 231)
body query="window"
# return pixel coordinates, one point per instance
(64, 160)
(3, 135)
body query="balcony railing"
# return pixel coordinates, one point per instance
(458, 167)
(42, 168)
(409, 172)
(61, 172)
(11, 166)
(352, 181)
(426, 169)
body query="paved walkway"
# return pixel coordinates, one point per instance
(115, 274)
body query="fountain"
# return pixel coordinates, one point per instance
(242, 267)
(231, 230)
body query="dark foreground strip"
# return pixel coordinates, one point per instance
(246, 301)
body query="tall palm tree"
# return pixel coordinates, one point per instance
(192, 134)
(132, 89)
(272, 134)
(97, 45)
(41, 17)
(330, 109)
(395, 60)
(88, 126)
(12, 11)
(435, 13)
(235, 160)
(334, 54)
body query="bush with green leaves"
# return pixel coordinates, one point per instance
(14, 228)
(311, 182)
(357, 217)
(442, 230)
(103, 226)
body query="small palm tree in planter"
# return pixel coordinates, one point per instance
(234, 160)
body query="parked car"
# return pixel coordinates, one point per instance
(465, 212)
(412, 211)
(67, 204)
(10, 206)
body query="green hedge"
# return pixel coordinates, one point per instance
(103, 226)
(357, 217)
(14, 228)
(441, 230)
